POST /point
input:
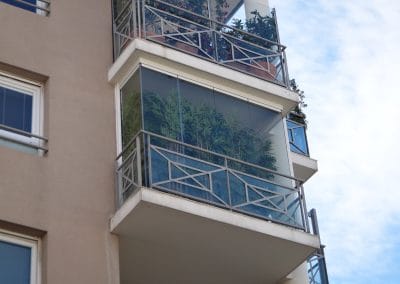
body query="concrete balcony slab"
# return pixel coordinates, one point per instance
(165, 238)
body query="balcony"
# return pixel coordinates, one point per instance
(196, 216)
(203, 32)
(168, 165)
(204, 187)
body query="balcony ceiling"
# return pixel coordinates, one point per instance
(169, 239)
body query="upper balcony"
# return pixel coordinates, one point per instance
(205, 29)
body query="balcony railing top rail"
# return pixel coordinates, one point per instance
(201, 36)
(41, 7)
(39, 142)
(172, 166)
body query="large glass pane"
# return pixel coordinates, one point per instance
(17, 110)
(19, 4)
(15, 263)
(233, 130)
(199, 116)
(1, 105)
(161, 105)
(297, 137)
(130, 108)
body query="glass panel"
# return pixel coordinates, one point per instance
(297, 138)
(199, 116)
(213, 121)
(22, 5)
(2, 96)
(15, 263)
(130, 109)
(195, 6)
(161, 104)
(28, 114)
(17, 110)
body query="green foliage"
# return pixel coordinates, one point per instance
(262, 26)
(220, 9)
(203, 126)
(130, 116)
(297, 114)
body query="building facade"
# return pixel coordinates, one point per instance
(151, 141)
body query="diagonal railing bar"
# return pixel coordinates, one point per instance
(190, 171)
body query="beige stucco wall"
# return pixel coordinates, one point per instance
(69, 193)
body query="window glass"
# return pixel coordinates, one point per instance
(16, 109)
(22, 5)
(130, 109)
(198, 115)
(15, 263)
(161, 104)
(213, 121)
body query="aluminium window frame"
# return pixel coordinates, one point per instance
(34, 244)
(33, 89)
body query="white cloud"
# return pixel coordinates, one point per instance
(345, 56)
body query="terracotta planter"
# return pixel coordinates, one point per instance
(186, 47)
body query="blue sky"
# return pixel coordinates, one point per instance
(345, 56)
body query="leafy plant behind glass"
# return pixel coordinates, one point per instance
(203, 126)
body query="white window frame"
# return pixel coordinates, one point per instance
(30, 88)
(30, 242)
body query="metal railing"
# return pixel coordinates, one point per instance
(297, 137)
(41, 7)
(179, 28)
(316, 264)
(23, 138)
(168, 165)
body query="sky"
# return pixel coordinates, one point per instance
(344, 55)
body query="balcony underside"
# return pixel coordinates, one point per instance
(169, 239)
(304, 167)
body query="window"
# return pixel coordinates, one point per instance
(18, 259)
(35, 6)
(20, 111)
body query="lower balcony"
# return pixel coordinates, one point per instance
(189, 215)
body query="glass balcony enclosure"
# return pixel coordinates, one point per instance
(297, 137)
(207, 29)
(197, 142)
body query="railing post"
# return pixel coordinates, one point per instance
(134, 18)
(314, 221)
(228, 187)
(142, 21)
(300, 188)
(139, 161)
(149, 158)
(118, 199)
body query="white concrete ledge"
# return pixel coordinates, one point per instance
(211, 212)
(303, 167)
(194, 68)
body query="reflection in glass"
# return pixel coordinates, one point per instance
(210, 146)
(130, 109)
